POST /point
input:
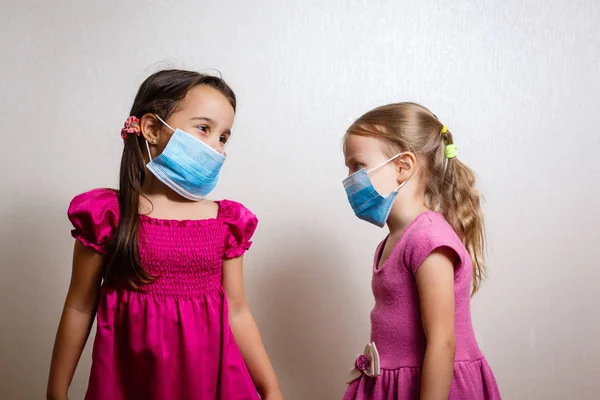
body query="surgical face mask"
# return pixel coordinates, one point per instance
(365, 200)
(187, 165)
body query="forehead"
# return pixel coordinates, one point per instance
(362, 146)
(203, 101)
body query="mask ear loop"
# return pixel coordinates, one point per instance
(147, 145)
(383, 163)
(167, 125)
(148, 148)
(402, 184)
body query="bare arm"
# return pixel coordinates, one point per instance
(77, 319)
(246, 332)
(435, 280)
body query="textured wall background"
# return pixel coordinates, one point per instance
(517, 82)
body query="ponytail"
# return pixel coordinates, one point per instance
(461, 206)
(124, 265)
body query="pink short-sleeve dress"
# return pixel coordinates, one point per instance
(396, 327)
(173, 341)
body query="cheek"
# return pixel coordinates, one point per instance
(214, 143)
(210, 141)
(197, 135)
(156, 149)
(384, 181)
(164, 141)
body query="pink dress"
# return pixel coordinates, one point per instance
(174, 340)
(396, 327)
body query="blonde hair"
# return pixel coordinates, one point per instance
(449, 184)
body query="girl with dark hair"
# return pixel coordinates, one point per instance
(160, 265)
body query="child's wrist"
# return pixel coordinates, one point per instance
(56, 396)
(57, 393)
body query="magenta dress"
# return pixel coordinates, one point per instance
(174, 340)
(396, 327)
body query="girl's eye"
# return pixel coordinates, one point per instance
(357, 166)
(203, 128)
(223, 139)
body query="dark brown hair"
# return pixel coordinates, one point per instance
(450, 184)
(160, 94)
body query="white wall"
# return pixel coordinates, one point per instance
(516, 81)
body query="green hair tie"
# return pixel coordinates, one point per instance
(451, 151)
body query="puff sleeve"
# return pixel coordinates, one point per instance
(95, 216)
(241, 224)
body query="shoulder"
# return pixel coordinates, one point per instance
(233, 212)
(431, 226)
(430, 232)
(95, 200)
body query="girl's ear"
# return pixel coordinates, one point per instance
(151, 128)
(406, 165)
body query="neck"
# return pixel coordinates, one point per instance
(404, 212)
(153, 187)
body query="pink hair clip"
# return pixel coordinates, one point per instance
(131, 126)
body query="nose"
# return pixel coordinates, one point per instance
(218, 147)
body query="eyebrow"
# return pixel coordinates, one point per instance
(202, 118)
(350, 160)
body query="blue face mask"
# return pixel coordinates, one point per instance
(187, 165)
(365, 200)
